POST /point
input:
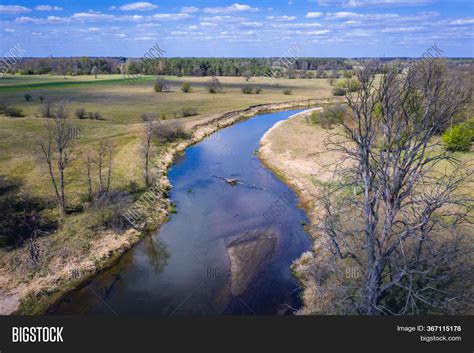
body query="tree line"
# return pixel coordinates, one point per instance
(172, 66)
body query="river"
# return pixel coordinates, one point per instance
(227, 250)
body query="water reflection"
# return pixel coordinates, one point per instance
(218, 254)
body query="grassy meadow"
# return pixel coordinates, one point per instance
(121, 105)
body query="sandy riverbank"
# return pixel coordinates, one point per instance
(297, 152)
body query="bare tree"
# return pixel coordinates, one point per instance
(94, 71)
(102, 157)
(56, 147)
(214, 85)
(110, 152)
(101, 152)
(104, 166)
(403, 225)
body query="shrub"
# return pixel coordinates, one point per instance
(171, 131)
(189, 111)
(458, 138)
(287, 92)
(339, 90)
(347, 74)
(214, 85)
(95, 116)
(148, 116)
(328, 117)
(314, 117)
(80, 113)
(353, 85)
(41, 99)
(28, 71)
(258, 90)
(28, 97)
(50, 109)
(13, 112)
(247, 89)
(160, 85)
(186, 87)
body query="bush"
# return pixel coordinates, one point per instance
(189, 111)
(41, 99)
(160, 85)
(287, 92)
(214, 85)
(258, 90)
(171, 131)
(186, 87)
(328, 117)
(353, 85)
(247, 89)
(347, 74)
(28, 71)
(28, 97)
(458, 138)
(148, 116)
(95, 116)
(339, 90)
(52, 110)
(80, 113)
(13, 112)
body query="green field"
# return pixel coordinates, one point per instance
(122, 105)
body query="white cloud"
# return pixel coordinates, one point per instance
(189, 9)
(55, 19)
(313, 14)
(251, 24)
(401, 29)
(462, 21)
(208, 24)
(223, 19)
(9, 30)
(296, 25)
(13, 9)
(48, 8)
(41, 21)
(170, 16)
(353, 15)
(383, 3)
(138, 6)
(144, 38)
(179, 33)
(281, 18)
(373, 3)
(92, 16)
(230, 9)
(317, 33)
(148, 25)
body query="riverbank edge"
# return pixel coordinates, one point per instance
(44, 300)
(305, 202)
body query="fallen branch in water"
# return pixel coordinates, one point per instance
(235, 181)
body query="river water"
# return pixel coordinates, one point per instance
(227, 250)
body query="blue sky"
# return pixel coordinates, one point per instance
(343, 28)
